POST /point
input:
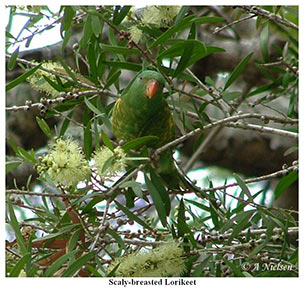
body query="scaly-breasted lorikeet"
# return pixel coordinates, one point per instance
(141, 111)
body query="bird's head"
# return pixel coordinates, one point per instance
(151, 83)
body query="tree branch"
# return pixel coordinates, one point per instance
(271, 16)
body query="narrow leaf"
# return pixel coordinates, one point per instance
(11, 165)
(237, 271)
(21, 78)
(183, 62)
(66, 123)
(157, 201)
(238, 70)
(26, 156)
(92, 107)
(44, 127)
(19, 265)
(242, 224)
(77, 264)
(138, 142)
(132, 216)
(181, 15)
(119, 50)
(112, 79)
(117, 238)
(118, 17)
(53, 84)
(67, 70)
(264, 36)
(106, 140)
(284, 183)
(14, 223)
(88, 140)
(243, 186)
(12, 61)
(68, 15)
(58, 263)
(162, 191)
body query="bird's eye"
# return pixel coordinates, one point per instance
(141, 78)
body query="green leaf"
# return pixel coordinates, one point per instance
(182, 227)
(181, 220)
(67, 37)
(138, 142)
(67, 70)
(178, 48)
(166, 35)
(119, 16)
(243, 186)
(119, 50)
(104, 116)
(87, 32)
(19, 265)
(112, 272)
(291, 150)
(66, 123)
(77, 264)
(181, 15)
(228, 96)
(112, 79)
(266, 87)
(136, 187)
(44, 127)
(68, 15)
(21, 78)
(74, 239)
(96, 134)
(117, 238)
(14, 224)
(183, 62)
(264, 37)
(26, 156)
(132, 216)
(238, 70)
(162, 191)
(124, 65)
(58, 263)
(234, 268)
(92, 58)
(199, 205)
(12, 62)
(184, 23)
(269, 234)
(106, 140)
(11, 165)
(284, 183)
(243, 222)
(213, 213)
(157, 201)
(97, 25)
(88, 140)
(92, 107)
(53, 84)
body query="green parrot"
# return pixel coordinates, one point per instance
(141, 111)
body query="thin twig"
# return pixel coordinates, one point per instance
(271, 16)
(102, 225)
(39, 194)
(217, 30)
(223, 122)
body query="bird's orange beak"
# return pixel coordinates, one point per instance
(151, 88)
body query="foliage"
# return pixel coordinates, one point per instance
(90, 211)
